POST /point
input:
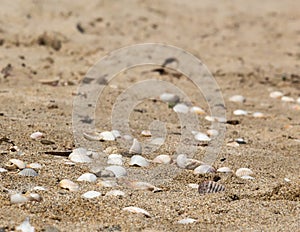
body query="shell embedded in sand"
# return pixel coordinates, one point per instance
(91, 194)
(25, 226)
(134, 209)
(197, 110)
(210, 187)
(117, 170)
(240, 112)
(115, 193)
(116, 133)
(80, 155)
(14, 164)
(36, 135)
(18, 198)
(136, 147)
(169, 98)
(34, 197)
(181, 108)
(203, 169)
(237, 98)
(89, 177)
(276, 94)
(139, 161)
(185, 163)
(202, 137)
(224, 170)
(187, 221)
(162, 159)
(115, 159)
(107, 136)
(92, 136)
(140, 185)
(34, 166)
(68, 184)
(287, 99)
(212, 132)
(243, 172)
(28, 172)
(146, 133)
(258, 115)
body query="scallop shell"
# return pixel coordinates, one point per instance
(115, 193)
(187, 221)
(89, 177)
(146, 133)
(181, 108)
(210, 187)
(107, 136)
(186, 163)
(115, 159)
(240, 112)
(276, 94)
(136, 147)
(18, 198)
(15, 164)
(169, 98)
(197, 110)
(28, 172)
(243, 172)
(224, 170)
(117, 170)
(134, 209)
(68, 184)
(237, 98)
(202, 137)
(79, 155)
(25, 226)
(162, 159)
(139, 161)
(203, 169)
(91, 194)
(36, 135)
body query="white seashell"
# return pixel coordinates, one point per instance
(237, 98)
(202, 137)
(193, 186)
(34, 166)
(181, 108)
(18, 198)
(92, 136)
(107, 136)
(116, 133)
(36, 135)
(25, 226)
(197, 110)
(80, 155)
(28, 172)
(15, 163)
(162, 159)
(91, 194)
(298, 100)
(111, 150)
(243, 172)
(157, 141)
(115, 193)
(3, 170)
(136, 147)
(287, 99)
(276, 94)
(187, 221)
(212, 133)
(117, 170)
(247, 177)
(287, 179)
(224, 170)
(39, 188)
(240, 112)
(69, 163)
(134, 209)
(258, 115)
(233, 144)
(34, 197)
(89, 177)
(146, 133)
(140, 185)
(108, 183)
(139, 161)
(169, 98)
(215, 119)
(203, 169)
(115, 159)
(186, 163)
(240, 141)
(68, 184)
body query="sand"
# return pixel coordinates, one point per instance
(251, 48)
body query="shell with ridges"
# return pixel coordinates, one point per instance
(210, 187)
(28, 172)
(243, 172)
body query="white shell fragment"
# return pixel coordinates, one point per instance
(117, 170)
(240, 112)
(169, 98)
(287, 179)
(25, 226)
(92, 136)
(89, 177)
(203, 169)
(276, 94)
(18, 198)
(36, 135)
(28, 172)
(134, 209)
(39, 188)
(247, 177)
(181, 108)
(162, 159)
(107, 136)
(34, 197)
(136, 147)
(3, 170)
(197, 110)
(108, 183)
(115, 159)
(237, 98)
(187, 221)
(243, 172)
(34, 166)
(157, 141)
(115, 193)
(258, 115)
(80, 155)
(140, 185)
(193, 186)
(139, 161)
(68, 184)
(287, 99)
(202, 137)
(224, 170)
(116, 133)
(215, 119)
(91, 194)
(146, 133)
(185, 163)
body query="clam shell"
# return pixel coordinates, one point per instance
(181, 108)
(187, 221)
(36, 135)
(115, 193)
(185, 163)
(237, 98)
(25, 226)
(276, 94)
(139, 161)
(136, 147)
(146, 133)
(89, 177)
(203, 169)
(224, 170)
(202, 137)
(107, 136)
(169, 98)
(162, 159)
(197, 110)
(115, 159)
(134, 209)
(240, 112)
(117, 170)
(68, 184)
(243, 172)
(15, 164)
(210, 187)
(91, 194)
(287, 99)
(80, 155)
(18, 198)
(28, 172)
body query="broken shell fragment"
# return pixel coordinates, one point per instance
(237, 98)
(89, 177)
(181, 108)
(91, 194)
(202, 137)
(186, 163)
(117, 170)
(197, 110)
(116, 133)
(203, 169)
(34, 197)
(187, 221)
(28, 172)
(169, 98)
(115, 159)
(258, 115)
(3, 170)
(68, 184)
(212, 133)
(36, 135)
(80, 155)
(247, 177)
(139, 161)
(14, 164)
(34, 166)
(193, 186)
(92, 136)
(224, 170)
(115, 193)
(108, 183)
(287, 99)
(136, 147)
(210, 187)
(162, 159)
(243, 172)
(140, 185)
(134, 209)
(107, 136)
(18, 198)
